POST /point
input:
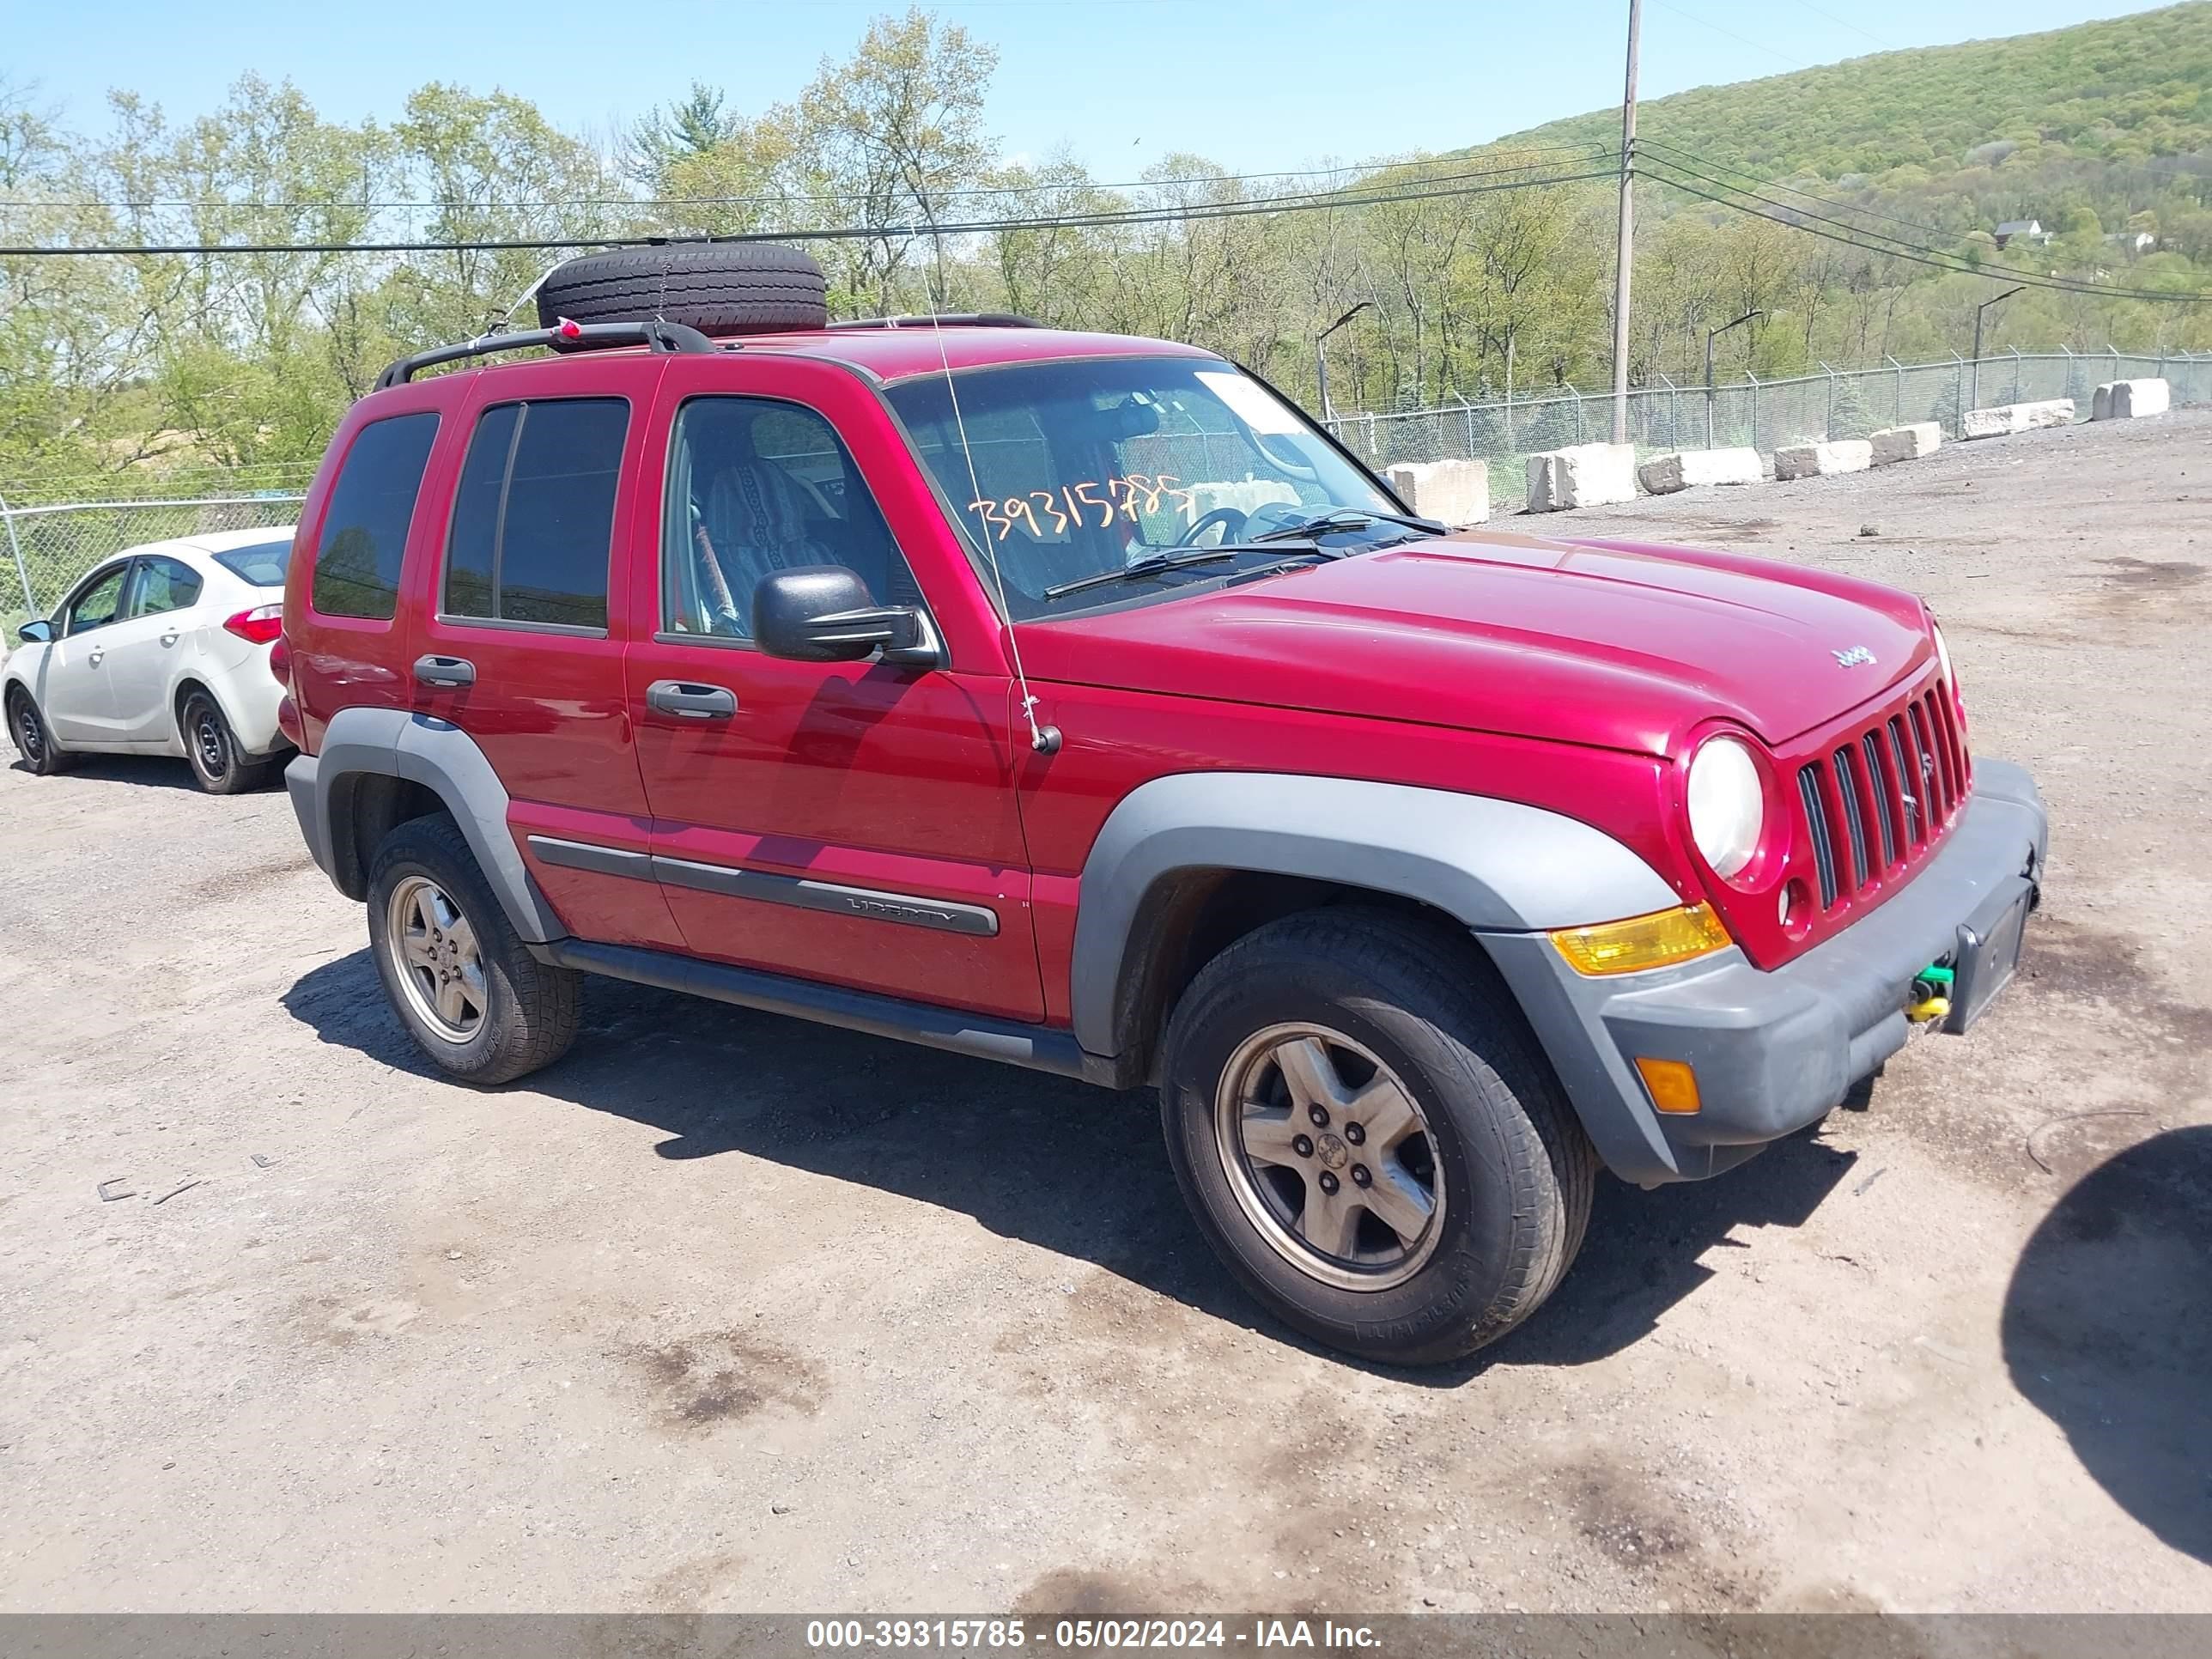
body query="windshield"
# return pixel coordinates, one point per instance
(1086, 468)
(262, 564)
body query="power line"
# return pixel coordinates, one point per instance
(1810, 195)
(1845, 23)
(220, 205)
(1898, 249)
(1926, 255)
(1309, 203)
(1740, 39)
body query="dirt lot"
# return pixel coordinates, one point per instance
(726, 1312)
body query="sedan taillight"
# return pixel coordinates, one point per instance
(258, 626)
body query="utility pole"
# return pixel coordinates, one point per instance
(1626, 255)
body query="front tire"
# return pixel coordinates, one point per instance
(1368, 1139)
(459, 975)
(33, 741)
(210, 745)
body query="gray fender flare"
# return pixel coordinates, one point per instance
(400, 744)
(1495, 866)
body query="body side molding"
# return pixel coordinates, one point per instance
(1496, 865)
(770, 887)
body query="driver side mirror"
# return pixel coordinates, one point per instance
(36, 633)
(824, 613)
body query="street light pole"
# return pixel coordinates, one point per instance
(1711, 335)
(1624, 256)
(1321, 355)
(1979, 310)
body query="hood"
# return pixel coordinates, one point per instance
(1620, 644)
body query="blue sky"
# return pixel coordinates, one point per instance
(1123, 83)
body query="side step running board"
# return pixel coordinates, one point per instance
(1040, 1048)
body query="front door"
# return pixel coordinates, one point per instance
(522, 648)
(75, 688)
(847, 822)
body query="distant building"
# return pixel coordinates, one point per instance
(2028, 230)
(2135, 241)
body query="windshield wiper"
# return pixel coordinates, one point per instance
(1346, 518)
(1159, 564)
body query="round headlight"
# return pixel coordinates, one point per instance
(1728, 805)
(1942, 653)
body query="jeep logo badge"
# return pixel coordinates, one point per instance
(1858, 655)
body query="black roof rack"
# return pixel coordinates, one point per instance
(566, 336)
(949, 319)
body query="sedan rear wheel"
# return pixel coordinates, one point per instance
(213, 751)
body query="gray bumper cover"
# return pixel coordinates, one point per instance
(1773, 1051)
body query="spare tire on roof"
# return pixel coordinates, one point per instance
(717, 288)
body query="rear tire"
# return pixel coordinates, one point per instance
(717, 288)
(1431, 1095)
(212, 748)
(459, 975)
(35, 742)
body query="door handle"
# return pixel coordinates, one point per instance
(444, 671)
(169, 638)
(95, 655)
(690, 701)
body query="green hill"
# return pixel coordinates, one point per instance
(2121, 90)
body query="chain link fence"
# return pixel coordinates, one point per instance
(52, 546)
(1762, 415)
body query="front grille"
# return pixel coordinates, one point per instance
(1872, 803)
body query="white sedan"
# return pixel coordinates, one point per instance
(161, 650)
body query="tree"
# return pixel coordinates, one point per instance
(668, 136)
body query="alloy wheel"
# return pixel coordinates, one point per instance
(436, 957)
(1329, 1156)
(29, 733)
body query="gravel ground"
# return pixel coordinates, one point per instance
(727, 1312)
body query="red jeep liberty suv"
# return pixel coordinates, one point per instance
(1074, 700)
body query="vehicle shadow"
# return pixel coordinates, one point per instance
(155, 771)
(2107, 1330)
(1053, 1163)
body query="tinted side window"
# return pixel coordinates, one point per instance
(534, 519)
(163, 585)
(97, 605)
(757, 486)
(365, 529)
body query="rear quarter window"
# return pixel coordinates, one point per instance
(263, 564)
(364, 531)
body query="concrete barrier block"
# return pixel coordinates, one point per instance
(1663, 475)
(2124, 400)
(1584, 475)
(2003, 418)
(1906, 443)
(1456, 493)
(1820, 461)
(1245, 495)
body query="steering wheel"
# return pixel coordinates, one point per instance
(1230, 520)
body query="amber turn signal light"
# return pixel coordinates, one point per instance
(1658, 940)
(1672, 1083)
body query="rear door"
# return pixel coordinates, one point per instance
(522, 644)
(847, 822)
(74, 688)
(146, 643)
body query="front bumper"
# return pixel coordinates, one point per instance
(1775, 1051)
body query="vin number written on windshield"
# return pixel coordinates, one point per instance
(1044, 513)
